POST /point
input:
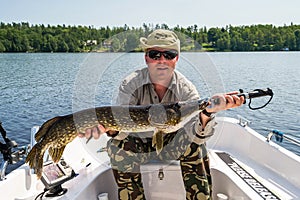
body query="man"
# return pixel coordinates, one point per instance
(161, 83)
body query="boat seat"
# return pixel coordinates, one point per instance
(163, 180)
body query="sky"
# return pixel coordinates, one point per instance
(133, 13)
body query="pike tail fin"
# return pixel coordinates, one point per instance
(36, 154)
(35, 160)
(56, 153)
(45, 128)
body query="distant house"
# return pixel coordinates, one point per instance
(90, 43)
(107, 44)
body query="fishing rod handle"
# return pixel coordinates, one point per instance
(247, 95)
(256, 93)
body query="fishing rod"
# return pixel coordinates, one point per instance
(250, 95)
(255, 94)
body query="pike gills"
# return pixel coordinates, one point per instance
(57, 132)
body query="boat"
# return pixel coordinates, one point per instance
(244, 165)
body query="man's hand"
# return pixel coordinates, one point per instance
(96, 132)
(225, 102)
(221, 102)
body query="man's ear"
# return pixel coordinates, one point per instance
(177, 57)
(146, 59)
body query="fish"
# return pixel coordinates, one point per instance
(161, 118)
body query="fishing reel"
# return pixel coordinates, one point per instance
(11, 155)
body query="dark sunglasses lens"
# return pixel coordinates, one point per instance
(153, 54)
(169, 55)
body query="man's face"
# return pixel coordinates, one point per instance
(161, 63)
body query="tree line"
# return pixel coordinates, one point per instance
(23, 37)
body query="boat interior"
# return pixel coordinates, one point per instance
(244, 165)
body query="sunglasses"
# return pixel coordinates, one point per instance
(155, 54)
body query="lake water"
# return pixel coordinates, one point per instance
(37, 87)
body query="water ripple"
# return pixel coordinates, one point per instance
(36, 87)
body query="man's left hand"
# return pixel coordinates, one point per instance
(225, 101)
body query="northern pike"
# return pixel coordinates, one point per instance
(57, 132)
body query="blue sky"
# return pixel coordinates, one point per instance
(99, 13)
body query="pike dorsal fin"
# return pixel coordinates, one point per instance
(45, 127)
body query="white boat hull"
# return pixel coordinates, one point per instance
(251, 168)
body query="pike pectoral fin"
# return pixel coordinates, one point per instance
(56, 153)
(158, 141)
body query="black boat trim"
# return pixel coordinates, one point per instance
(256, 185)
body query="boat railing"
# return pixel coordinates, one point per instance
(279, 136)
(243, 121)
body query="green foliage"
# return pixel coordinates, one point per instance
(23, 37)
(131, 42)
(2, 47)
